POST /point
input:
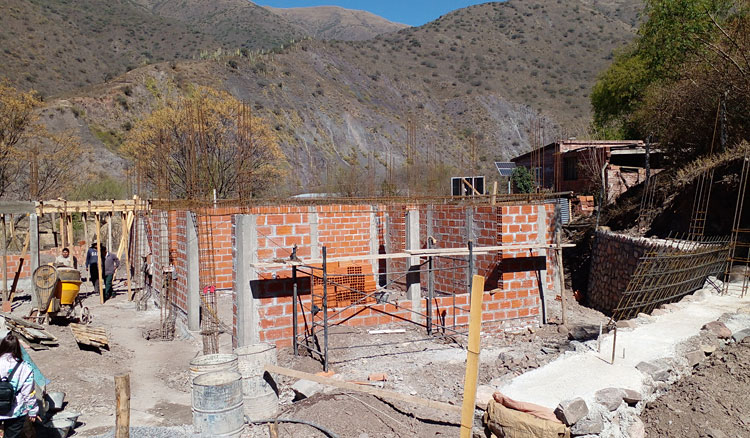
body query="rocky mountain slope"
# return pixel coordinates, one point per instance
(335, 23)
(56, 46)
(476, 82)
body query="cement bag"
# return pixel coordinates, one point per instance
(508, 423)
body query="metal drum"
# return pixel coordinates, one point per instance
(212, 363)
(261, 399)
(217, 404)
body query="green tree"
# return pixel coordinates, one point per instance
(522, 180)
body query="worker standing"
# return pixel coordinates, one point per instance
(111, 263)
(92, 265)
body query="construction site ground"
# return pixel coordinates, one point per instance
(414, 364)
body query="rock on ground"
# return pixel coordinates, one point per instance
(719, 329)
(570, 411)
(611, 398)
(658, 370)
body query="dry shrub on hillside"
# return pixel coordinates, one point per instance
(206, 141)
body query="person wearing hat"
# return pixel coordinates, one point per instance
(92, 265)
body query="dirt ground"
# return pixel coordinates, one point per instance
(158, 370)
(415, 364)
(710, 403)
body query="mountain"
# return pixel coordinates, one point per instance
(335, 23)
(479, 84)
(56, 46)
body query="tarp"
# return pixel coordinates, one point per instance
(508, 423)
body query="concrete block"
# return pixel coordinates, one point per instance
(695, 357)
(591, 425)
(571, 411)
(484, 395)
(305, 388)
(719, 329)
(637, 429)
(631, 397)
(740, 335)
(611, 398)
(658, 371)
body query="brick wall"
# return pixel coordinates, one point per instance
(614, 258)
(512, 283)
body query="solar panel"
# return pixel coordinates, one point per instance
(505, 168)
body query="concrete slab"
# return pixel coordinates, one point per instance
(581, 374)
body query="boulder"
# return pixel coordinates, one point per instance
(631, 397)
(583, 333)
(570, 411)
(592, 424)
(719, 329)
(610, 398)
(658, 312)
(695, 357)
(658, 370)
(740, 335)
(484, 395)
(627, 323)
(637, 429)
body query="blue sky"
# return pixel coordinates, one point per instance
(411, 12)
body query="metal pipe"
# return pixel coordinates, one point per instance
(325, 310)
(294, 313)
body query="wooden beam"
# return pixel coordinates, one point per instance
(391, 395)
(17, 207)
(60, 206)
(122, 398)
(472, 356)
(126, 222)
(445, 252)
(6, 304)
(99, 261)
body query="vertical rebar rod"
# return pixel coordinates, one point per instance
(471, 265)
(325, 311)
(294, 312)
(430, 293)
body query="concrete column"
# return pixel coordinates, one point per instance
(246, 253)
(193, 274)
(541, 226)
(374, 242)
(414, 292)
(34, 251)
(312, 218)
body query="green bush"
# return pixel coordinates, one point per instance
(522, 180)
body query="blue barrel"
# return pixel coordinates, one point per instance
(217, 404)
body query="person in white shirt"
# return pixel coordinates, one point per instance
(24, 406)
(65, 259)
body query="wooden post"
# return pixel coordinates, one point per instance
(100, 261)
(54, 230)
(109, 231)
(494, 193)
(63, 238)
(472, 356)
(6, 303)
(71, 238)
(126, 250)
(85, 219)
(561, 275)
(122, 399)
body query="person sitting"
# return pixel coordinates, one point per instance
(65, 259)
